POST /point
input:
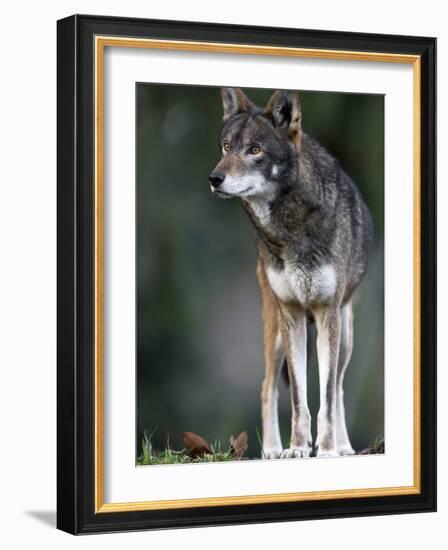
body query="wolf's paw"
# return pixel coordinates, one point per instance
(326, 453)
(271, 452)
(346, 450)
(296, 452)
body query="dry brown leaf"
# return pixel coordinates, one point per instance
(239, 445)
(197, 446)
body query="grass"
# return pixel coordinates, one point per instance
(375, 447)
(170, 456)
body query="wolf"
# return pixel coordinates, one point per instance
(313, 234)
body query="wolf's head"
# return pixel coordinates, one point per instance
(259, 148)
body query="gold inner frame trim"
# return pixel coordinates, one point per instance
(101, 42)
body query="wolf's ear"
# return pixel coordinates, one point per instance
(284, 109)
(234, 102)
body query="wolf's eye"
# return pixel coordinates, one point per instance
(254, 150)
(226, 146)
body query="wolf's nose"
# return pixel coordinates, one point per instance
(216, 178)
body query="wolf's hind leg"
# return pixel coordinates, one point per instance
(272, 444)
(345, 351)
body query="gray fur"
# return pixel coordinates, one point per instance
(317, 213)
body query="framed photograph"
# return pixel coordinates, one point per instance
(270, 357)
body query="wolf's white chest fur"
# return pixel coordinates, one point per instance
(292, 284)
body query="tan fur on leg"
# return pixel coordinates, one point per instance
(272, 445)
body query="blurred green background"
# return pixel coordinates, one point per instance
(199, 332)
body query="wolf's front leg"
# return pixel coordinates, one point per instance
(328, 321)
(293, 328)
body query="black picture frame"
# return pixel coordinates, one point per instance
(76, 253)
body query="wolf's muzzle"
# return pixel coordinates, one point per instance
(216, 178)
